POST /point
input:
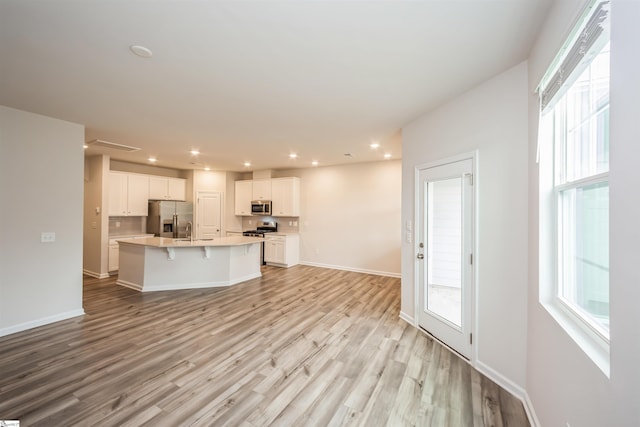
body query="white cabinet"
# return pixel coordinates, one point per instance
(128, 194)
(261, 189)
(285, 195)
(244, 194)
(282, 250)
(114, 257)
(161, 188)
(283, 192)
(114, 250)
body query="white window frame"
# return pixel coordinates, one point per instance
(587, 333)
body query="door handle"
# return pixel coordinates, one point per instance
(420, 256)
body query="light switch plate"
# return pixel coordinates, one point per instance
(47, 237)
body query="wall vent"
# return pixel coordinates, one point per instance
(112, 145)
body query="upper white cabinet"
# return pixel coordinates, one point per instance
(162, 188)
(244, 195)
(261, 189)
(128, 194)
(285, 196)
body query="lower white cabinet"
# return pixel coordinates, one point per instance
(114, 251)
(282, 250)
(114, 258)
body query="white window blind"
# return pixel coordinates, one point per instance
(583, 45)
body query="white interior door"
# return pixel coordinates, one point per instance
(444, 255)
(208, 215)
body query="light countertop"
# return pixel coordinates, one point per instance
(165, 242)
(130, 235)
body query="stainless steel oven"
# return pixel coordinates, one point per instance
(262, 228)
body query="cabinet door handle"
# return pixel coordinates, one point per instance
(420, 256)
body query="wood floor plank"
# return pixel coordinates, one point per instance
(303, 346)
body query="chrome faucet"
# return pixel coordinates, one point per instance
(189, 230)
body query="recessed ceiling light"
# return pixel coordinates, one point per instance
(247, 164)
(387, 155)
(194, 152)
(152, 159)
(314, 163)
(141, 51)
(207, 168)
(293, 156)
(374, 145)
(85, 146)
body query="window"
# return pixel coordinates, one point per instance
(575, 124)
(581, 184)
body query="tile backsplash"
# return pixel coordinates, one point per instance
(119, 225)
(249, 223)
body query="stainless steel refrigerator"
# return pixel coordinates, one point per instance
(169, 219)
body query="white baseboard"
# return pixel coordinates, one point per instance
(512, 388)
(129, 285)
(407, 318)
(355, 270)
(40, 322)
(177, 287)
(531, 413)
(94, 274)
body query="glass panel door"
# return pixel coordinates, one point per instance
(445, 266)
(444, 250)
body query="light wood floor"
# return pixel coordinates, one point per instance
(303, 346)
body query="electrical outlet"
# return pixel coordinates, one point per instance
(47, 237)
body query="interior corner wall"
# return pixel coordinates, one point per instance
(232, 222)
(350, 216)
(492, 119)
(41, 179)
(95, 255)
(563, 384)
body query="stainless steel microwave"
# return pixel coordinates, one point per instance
(261, 207)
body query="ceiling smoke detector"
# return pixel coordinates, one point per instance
(112, 145)
(141, 51)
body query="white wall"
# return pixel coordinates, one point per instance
(492, 119)
(96, 225)
(41, 178)
(563, 385)
(232, 222)
(350, 216)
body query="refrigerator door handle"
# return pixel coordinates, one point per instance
(175, 226)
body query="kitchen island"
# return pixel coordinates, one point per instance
(160, 264)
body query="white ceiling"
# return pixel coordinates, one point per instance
(254, 80)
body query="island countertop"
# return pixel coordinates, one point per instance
(166, 242)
